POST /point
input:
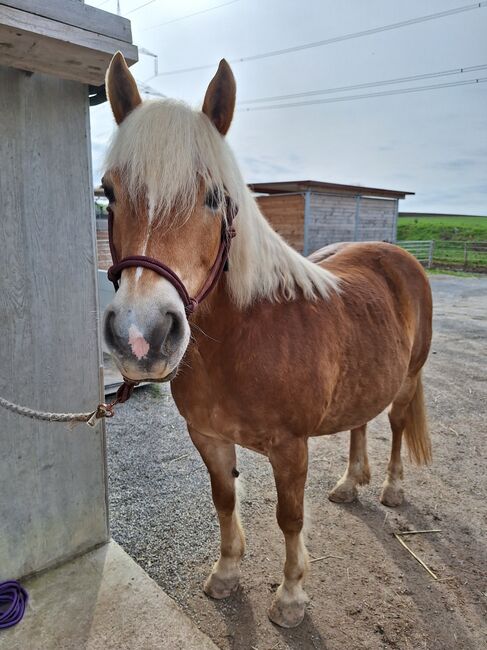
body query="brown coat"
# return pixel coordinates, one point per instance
(308, 368)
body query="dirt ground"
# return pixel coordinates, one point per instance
(367, 591)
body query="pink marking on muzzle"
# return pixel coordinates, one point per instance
(137, 342)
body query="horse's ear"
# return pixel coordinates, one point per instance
(121, 88)
(220, 97)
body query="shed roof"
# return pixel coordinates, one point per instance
(287, 187)
(293, 187)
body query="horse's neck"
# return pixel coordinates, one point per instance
(216, 320)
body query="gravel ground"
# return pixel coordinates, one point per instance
(371, 593)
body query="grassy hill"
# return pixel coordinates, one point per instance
(444, 227)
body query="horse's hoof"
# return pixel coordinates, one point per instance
(219, 588)
(343, 493)
(391, 496)
(286, 614)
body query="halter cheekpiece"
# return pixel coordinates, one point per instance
(219, 266)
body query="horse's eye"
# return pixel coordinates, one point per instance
(212, 200)
(109, 193)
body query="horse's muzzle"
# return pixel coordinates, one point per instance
(148, 347)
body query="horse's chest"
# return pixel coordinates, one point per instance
(213, 406)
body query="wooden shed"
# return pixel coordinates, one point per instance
(312, 214)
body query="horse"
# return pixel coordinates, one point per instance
(282, 347)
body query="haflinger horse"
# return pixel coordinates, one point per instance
(282, 347)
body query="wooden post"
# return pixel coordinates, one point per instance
(307, 217)
(53, 502)
(430, 253)
(356, 223)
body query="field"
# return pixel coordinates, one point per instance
(459, 240)
(445, 227)
(366, 591)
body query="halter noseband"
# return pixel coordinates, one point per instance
(219, 265)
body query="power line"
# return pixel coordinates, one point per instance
(149, 2)
(398, 91)
(196, 13)
(371, 84)
(335, 39)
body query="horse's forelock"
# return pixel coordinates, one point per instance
(167, 152)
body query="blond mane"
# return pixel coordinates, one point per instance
(165, 150)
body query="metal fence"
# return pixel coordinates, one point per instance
(451, 254)
(422, 250)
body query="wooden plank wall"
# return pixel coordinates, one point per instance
(377, 220)
(331, 219)
(52, 479)
(336, 218)
(285, 213)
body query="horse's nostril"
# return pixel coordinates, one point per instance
(176, 328)
(108, 330)
(167, 331)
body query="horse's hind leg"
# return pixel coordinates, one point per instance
(392, 493)
(220, 459)
(357, 472)
(289, 460)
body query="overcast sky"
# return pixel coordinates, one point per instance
(433, 143)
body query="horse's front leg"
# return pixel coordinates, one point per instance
(289, 461)
(220, 459)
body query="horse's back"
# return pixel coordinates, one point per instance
(369, 268)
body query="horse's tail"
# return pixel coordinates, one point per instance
(416, 428)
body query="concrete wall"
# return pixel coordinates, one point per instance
(334, 218)
(52, 480)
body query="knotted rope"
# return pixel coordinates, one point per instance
(13, 599)
(90, 418)
(102, 410)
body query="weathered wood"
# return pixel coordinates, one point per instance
(332, 218)
(77, 14)
(285, 213)
(327, 188)
(38, 44)
(377, 219)
(52, 480)
(335, 218)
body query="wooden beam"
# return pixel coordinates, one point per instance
(52, 481)
(77, 14)
(37, 44)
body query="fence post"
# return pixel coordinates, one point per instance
(430, 253)
(465, 255)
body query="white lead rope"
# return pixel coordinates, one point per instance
(102, 411)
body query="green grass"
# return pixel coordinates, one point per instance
(443, 227)
(450, 233)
